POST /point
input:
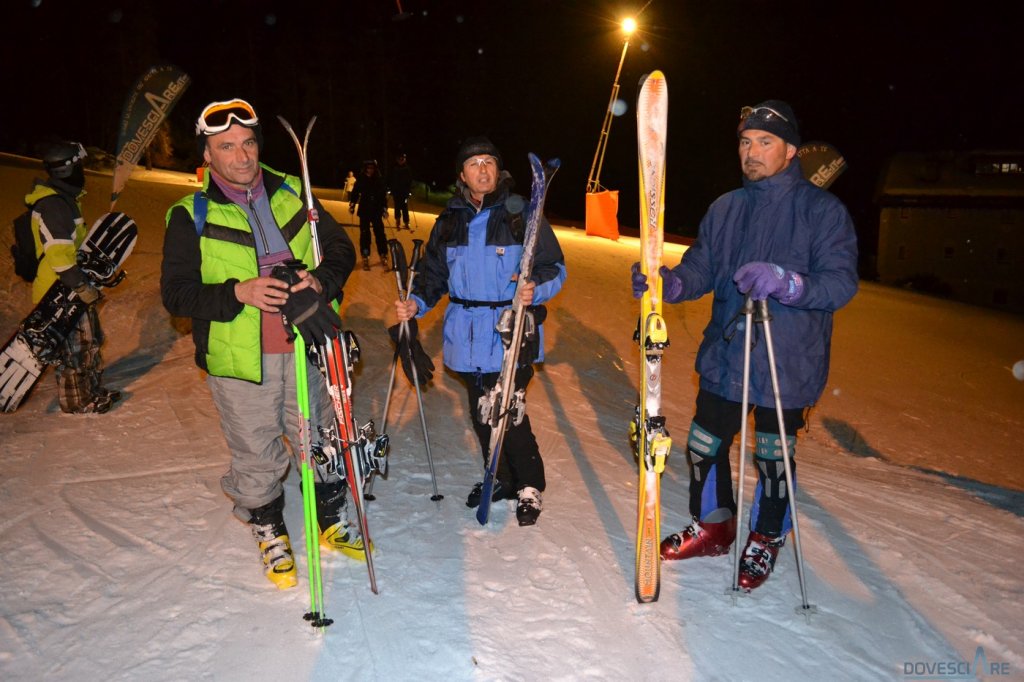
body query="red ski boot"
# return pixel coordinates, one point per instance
(700, 539)
(758, 560)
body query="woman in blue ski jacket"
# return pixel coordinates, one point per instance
(777, 237)
(472, 256)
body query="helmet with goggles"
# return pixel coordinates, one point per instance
(60, 158)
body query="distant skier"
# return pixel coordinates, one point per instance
(472, 255)
(59, 229)
(350, 184)
(778, 236)
(216, 270)
(371, 194)
(400, 187)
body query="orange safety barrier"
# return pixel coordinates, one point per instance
(602, 214)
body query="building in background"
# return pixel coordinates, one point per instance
(952, 224)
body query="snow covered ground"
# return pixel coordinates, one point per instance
(122, 559)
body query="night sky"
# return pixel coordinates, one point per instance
(873, 79)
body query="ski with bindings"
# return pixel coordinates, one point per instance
(650, 439)
(360, 450)
(504, 402)
(40, 337)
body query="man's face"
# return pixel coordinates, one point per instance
(370, 170)
(763, 154)
(480, 174)
(234, 156)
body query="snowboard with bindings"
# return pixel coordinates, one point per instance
(649, 437)
(503, 402)
(40, 337)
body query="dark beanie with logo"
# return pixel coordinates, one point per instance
(773, 116)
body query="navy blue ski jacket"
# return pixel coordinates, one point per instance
(785, 220)
(471, 256)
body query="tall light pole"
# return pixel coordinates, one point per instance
(594, 179)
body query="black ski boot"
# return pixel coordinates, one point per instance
(267, 523)
(529, 506)
(502, 491)
(332, 518)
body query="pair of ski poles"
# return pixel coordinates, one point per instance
(404, 276)
(762, 316)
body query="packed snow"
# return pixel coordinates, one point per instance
(123, 560)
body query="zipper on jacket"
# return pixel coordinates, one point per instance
(256, 218)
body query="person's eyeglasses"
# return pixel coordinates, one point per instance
(762, 113)
(480, 161)
(219, 116)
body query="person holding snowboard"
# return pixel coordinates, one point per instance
(472, 256)
(222, 267)
(777, 237)
(58, 229)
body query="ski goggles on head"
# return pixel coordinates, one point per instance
(219, 116)
(78, 155)
(765, 114)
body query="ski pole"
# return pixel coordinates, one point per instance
(748, 314)
(417, 248)
(404, 287)
(316, 616)
(396, 250)
(804, 608)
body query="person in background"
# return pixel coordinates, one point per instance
(223, 255)
(400, 188)
(777, 237)
(371, 194)
(59, 229)
(350, 184)
(472, 256)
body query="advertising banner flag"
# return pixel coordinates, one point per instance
(148, 103)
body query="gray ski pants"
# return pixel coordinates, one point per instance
(256, 419)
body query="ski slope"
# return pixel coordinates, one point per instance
(123, 560)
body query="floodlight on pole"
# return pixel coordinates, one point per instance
(594, 179)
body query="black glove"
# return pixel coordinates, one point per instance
(529, 351)
(410, 345)
(307, 310)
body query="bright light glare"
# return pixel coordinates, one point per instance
(628, 25)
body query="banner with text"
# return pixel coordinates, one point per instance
(148, 104)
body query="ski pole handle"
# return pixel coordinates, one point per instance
(417, 253)
(398, 265)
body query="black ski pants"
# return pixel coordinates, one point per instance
(722, 419)
(521, 464)
(376, 223)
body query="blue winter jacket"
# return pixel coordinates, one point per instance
(785, 220)
(472, 255)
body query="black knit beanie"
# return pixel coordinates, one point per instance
(773, 116)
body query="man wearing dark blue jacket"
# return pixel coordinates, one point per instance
(472, 256)
(777, 237)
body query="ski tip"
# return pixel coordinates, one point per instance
(553, 164)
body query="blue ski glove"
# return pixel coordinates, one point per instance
(671, 284)
(761, 280)
(639, 281)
